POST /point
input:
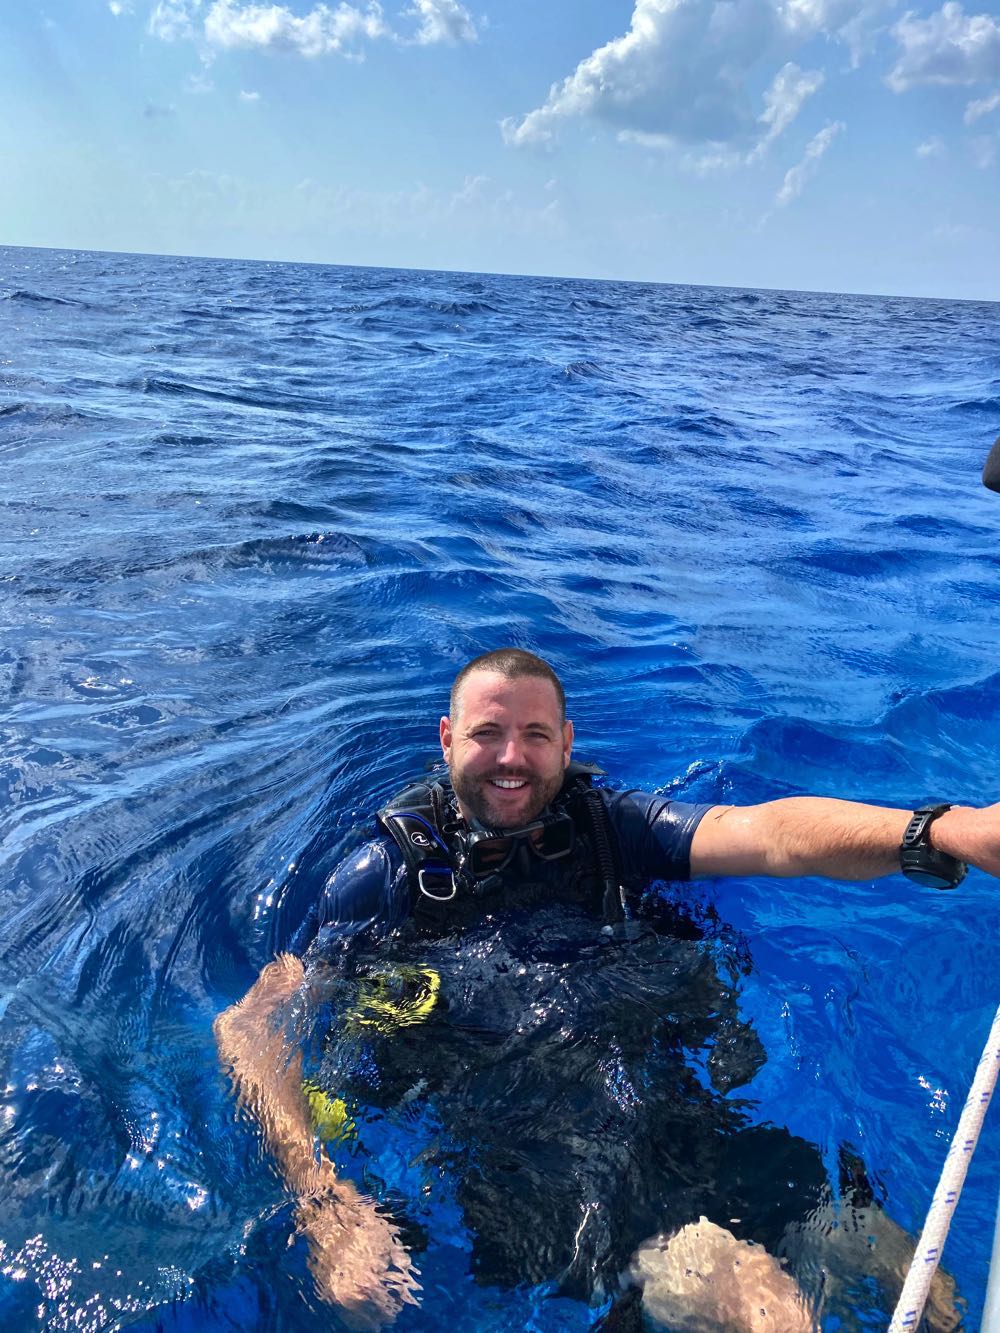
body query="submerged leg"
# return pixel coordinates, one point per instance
(841, 1252)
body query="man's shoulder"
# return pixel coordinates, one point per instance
(654, 831)
(367, 891)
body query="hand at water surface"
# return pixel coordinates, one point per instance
(356, 1257)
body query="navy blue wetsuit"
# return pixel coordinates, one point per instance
(369, 891)
(577, 1073)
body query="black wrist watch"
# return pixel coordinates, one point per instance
(923, 863)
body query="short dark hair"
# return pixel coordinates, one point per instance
(512, 663)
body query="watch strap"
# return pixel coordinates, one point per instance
(924, 863)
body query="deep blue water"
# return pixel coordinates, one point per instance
(255, 516)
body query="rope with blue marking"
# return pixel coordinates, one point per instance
(928, 1252)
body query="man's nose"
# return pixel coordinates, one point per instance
(510, 754)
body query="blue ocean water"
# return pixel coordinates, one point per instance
(255, 516)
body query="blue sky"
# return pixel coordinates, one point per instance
(846, 145)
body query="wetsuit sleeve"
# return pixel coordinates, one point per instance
(367, 893)
(654, 834)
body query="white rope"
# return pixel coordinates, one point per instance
(928, 1252)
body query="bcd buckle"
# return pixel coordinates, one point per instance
(444, 890)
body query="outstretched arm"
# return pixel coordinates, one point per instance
(814, 835)
(356, 1256)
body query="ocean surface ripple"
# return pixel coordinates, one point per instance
(256, 515)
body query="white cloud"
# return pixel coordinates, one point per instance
(322, 30)
(273, 27)
(683, 75)
(783, 102)
(172, 20)
(797, 176)
(119, 7)
(946, 48)
(932, 147)
(443, 21)
(675, 76)
(249, 97)
(975, 110)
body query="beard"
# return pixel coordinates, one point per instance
(476, 796)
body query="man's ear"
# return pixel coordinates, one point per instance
(446, 737)
(567, 740)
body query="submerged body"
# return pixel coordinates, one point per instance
(577, 1078)
(578, 1061)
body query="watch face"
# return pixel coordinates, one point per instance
(929, 879)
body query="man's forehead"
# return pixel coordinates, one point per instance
(489, 693)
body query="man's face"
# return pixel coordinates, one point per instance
(507, 749)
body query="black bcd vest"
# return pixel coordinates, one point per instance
(423, 819)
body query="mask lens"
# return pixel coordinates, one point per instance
(490, 854)
(549, 839)
(552, 839)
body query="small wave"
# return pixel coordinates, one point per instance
(872, 564)
(468, 308)
(708, 322)
(157, 384)
(40, 298)
(591, 303)
(975, 405)
(706, 423)
(585, 370)
(41, 414)
(312, 548)
(461, 308)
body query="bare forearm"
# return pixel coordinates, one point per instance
(268, 1081)
(815, 835)
(355, 1254)
(802, 835)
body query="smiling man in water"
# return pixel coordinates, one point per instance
(488, 909)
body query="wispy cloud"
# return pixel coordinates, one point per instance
(946, 48)
(198, 83)
(316, 211)
(322, 30)
(797, 177)
(783, 101)
(982, 107)
(984, 152)
(249, 97)
(932, 147)
(173, 20)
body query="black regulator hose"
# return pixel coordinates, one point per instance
(597, 817)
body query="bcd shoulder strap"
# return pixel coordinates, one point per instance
(412, 820)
